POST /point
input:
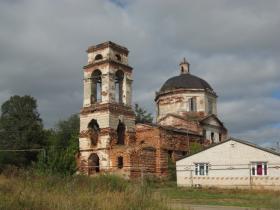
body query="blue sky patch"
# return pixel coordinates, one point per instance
(276, 94)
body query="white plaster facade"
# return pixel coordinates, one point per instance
(179, 103)
(230, 165)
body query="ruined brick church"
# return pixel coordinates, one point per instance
(110, 141)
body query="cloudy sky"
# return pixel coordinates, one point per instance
(234, 45)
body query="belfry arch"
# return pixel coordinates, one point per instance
(119, 76)
(96, 86)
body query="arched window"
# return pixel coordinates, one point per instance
(98, 57)
(119, 86)
(118, 57)
(120, 162)
(96, 86)
(94, 129)
(121, 133)
(93, 125)
(93, 163)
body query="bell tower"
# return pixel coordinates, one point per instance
(107, 118)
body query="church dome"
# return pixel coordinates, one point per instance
(185, 81)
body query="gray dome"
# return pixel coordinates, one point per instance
(185, 81)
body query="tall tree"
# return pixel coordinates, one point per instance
(21, 128)
(142, 116)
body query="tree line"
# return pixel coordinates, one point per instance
(24, 142)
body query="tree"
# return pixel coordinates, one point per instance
(20, 128)
(142, 116)
(63, 146)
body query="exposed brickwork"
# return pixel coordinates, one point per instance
(113, 108)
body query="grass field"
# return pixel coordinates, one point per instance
(78, 192)
(29, 191)
(223, 197)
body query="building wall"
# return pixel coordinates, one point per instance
(178, 103)
(190, 125)
(210, 98)
(229, 166)
(167, 144)
(211, 125)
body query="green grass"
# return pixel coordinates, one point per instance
(77, 192)
(223, 197)
(105, 192)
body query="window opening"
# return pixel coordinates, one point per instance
(93, 162)
(98, 57)
(192, 104)
(119, 86)
(259, 169)
(120, 162)
(93, 125)
(212, 137)
(120, 133)
(118, 57)
(94, 131)
(170, 153)
(96, 86)
(201, 169)
(220, 137)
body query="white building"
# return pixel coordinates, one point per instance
(230, 164)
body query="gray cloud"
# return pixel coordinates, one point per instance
(234, 45)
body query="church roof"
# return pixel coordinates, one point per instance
(185, 81)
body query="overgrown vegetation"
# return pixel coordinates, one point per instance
(23, 189)
(62, 148)
(195, 147)
(104, 192)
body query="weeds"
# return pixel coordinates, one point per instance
(103, 192)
